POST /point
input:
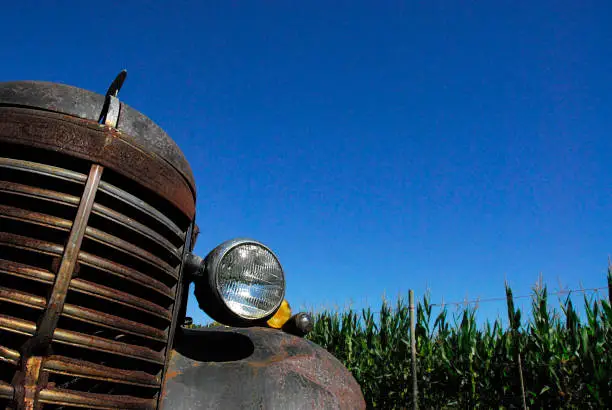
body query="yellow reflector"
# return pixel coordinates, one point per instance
(281, 316)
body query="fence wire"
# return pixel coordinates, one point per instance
(478, 301)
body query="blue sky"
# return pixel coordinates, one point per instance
(376, 146)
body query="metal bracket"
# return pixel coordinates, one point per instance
(110, 111)
(112, 115)
(193, 266)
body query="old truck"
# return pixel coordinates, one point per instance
(97, 232)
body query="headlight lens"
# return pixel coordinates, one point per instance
(249, 279)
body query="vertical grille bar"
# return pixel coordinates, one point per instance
(44, 333)
(180, 303)
(32, 374)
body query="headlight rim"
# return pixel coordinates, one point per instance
(212, 262)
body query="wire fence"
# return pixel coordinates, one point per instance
(478, 301)
(527, 296)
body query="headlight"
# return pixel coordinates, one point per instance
(243, 282)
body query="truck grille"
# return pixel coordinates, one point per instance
(107, 347)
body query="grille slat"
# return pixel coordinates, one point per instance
(135, 251)
(100, 210)
(42, 169)
(122, 298)
(93, 400)
(22, 298)
(53, 222)
(6, 390)
(30, 244)
(88, 288)
(108, 346)
(24, 215)
(77, 339)
(82, 368)
(124, 272)
(77, 329)
(137, 227)
(9, 355)
(84, 314)
(38, 193)
(114, 322)
(18, 326)
(27, 272)
(142, 206)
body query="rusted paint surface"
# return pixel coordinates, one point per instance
(22, 298)
(105, 145)
(82, 103)
(81, 368)
(282, 372)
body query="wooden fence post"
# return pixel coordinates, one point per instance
(609, 280)
(415, 390)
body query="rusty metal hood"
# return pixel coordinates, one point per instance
(255, 368)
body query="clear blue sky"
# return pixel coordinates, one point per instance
(375, 146)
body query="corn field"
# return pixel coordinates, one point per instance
(564, 356)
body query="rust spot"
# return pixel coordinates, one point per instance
(30, 383)
(172, 375)
(279, 358)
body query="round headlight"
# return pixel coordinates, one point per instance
(247, 278)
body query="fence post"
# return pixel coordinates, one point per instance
(520, 367)
(415, 390)
(609, 280)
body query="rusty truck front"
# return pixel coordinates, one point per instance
(97, 229)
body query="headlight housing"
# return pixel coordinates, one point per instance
(241, 282)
